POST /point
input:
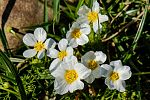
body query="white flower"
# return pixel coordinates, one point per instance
(87, 15)
(37, 41)
(92, 60)
(68, 75)
(63, 52)
(115, 74)
(77, 35)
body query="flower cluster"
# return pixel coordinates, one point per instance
(66, 69)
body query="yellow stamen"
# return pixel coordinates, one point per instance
(114, 76)
(39, 46)
(92, 64)
(92, 16)
(62, 54)
(71, 76)
(76, 33)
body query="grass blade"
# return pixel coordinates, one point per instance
(137, 36)
(139, 32)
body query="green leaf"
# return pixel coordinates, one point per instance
(71, 9)
(56, 10)
(79, 5)
(4, 41)
(7, 78)
(5, 62)
(16, 60)
(39, 25)
(90, 3)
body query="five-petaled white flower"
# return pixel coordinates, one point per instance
(92, 60)
(64, 51)
(68, 75)
(37, 41)
(115, 74)
(87, 15)
(77, 35)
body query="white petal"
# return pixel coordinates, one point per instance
(95, 26)
(120, 85)
(58, 69)
(110, 84)
(83, 10)
(83, 72)
(68, 35)
(55, 63)
(96, 72)
(85, 29)
(124, 72)
(50, 43)
(29, 53)
(96, 6)
(60, 86)
(82, 40)
(90, 78)
(102, 18)
(41, 54)
(69, 51)
(40, 34)
(76, 85)
(86, 57)
(70, 61)
(82, 19)
(100, 57)
(56, 84)
(73, 43)
(75, 25)
(116, 64)
(105, 70)
(67, 65)
(29, 39)
(62, 45)
(53, 53)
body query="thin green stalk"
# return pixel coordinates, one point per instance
(141, 73)
(139, 87)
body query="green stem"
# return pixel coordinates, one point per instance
(10, 91)
(141, 73)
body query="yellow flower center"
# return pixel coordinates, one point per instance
(92, 16)
(71, 76)
(76, 33)
(39, 46)
(114, 76)
(92, 64)
(62, 54)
